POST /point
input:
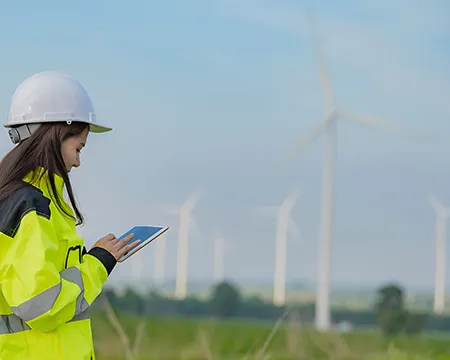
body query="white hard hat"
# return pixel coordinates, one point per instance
(49, 96)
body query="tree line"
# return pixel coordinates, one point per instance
(389, 312)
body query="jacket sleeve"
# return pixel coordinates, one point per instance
(34, 288)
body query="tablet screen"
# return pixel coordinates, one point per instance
(142, 233)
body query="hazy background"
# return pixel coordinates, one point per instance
(212, 95)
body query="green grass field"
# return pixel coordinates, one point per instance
(212, 339)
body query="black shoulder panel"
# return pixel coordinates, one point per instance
(21, 202)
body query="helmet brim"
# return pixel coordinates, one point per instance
(96, 128)
(93, 127)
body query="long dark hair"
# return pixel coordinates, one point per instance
(41, 149)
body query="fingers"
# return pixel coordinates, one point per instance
(126, 239)
(112, 238)
(129, 247)
(118, 247)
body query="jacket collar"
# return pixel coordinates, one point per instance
(40, 178)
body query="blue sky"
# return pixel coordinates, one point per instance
(213, 94)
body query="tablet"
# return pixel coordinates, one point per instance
(146, 234)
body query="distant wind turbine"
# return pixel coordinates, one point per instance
(285, 224)
(218, 259)
(186, 222)
(442, 213)
(220, 247)
(328, 126)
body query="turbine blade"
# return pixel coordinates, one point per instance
(320, 59)
(372, 121)
(305, 142)
(375, 122)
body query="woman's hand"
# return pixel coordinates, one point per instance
(115, 246)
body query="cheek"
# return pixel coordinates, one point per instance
(68, 155)
(64, 154)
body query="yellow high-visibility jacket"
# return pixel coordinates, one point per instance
(47, 279)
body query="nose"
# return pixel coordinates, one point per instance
(77, 163)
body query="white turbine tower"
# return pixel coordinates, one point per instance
(220, 247)
(186, 222)
(285, 224)
(218, 258)
(442, 213)
(328, 126)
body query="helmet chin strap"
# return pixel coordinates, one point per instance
(22, 132)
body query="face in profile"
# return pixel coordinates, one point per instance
(71, 149)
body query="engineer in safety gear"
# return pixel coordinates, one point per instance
(48, 280)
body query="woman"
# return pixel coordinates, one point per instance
(48, 280)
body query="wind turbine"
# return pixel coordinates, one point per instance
(285, 224)
(328, 126)
(218, 259)
(442, 213)
(186, 221)
(220, 246)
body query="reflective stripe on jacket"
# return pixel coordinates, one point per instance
(47, 279)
